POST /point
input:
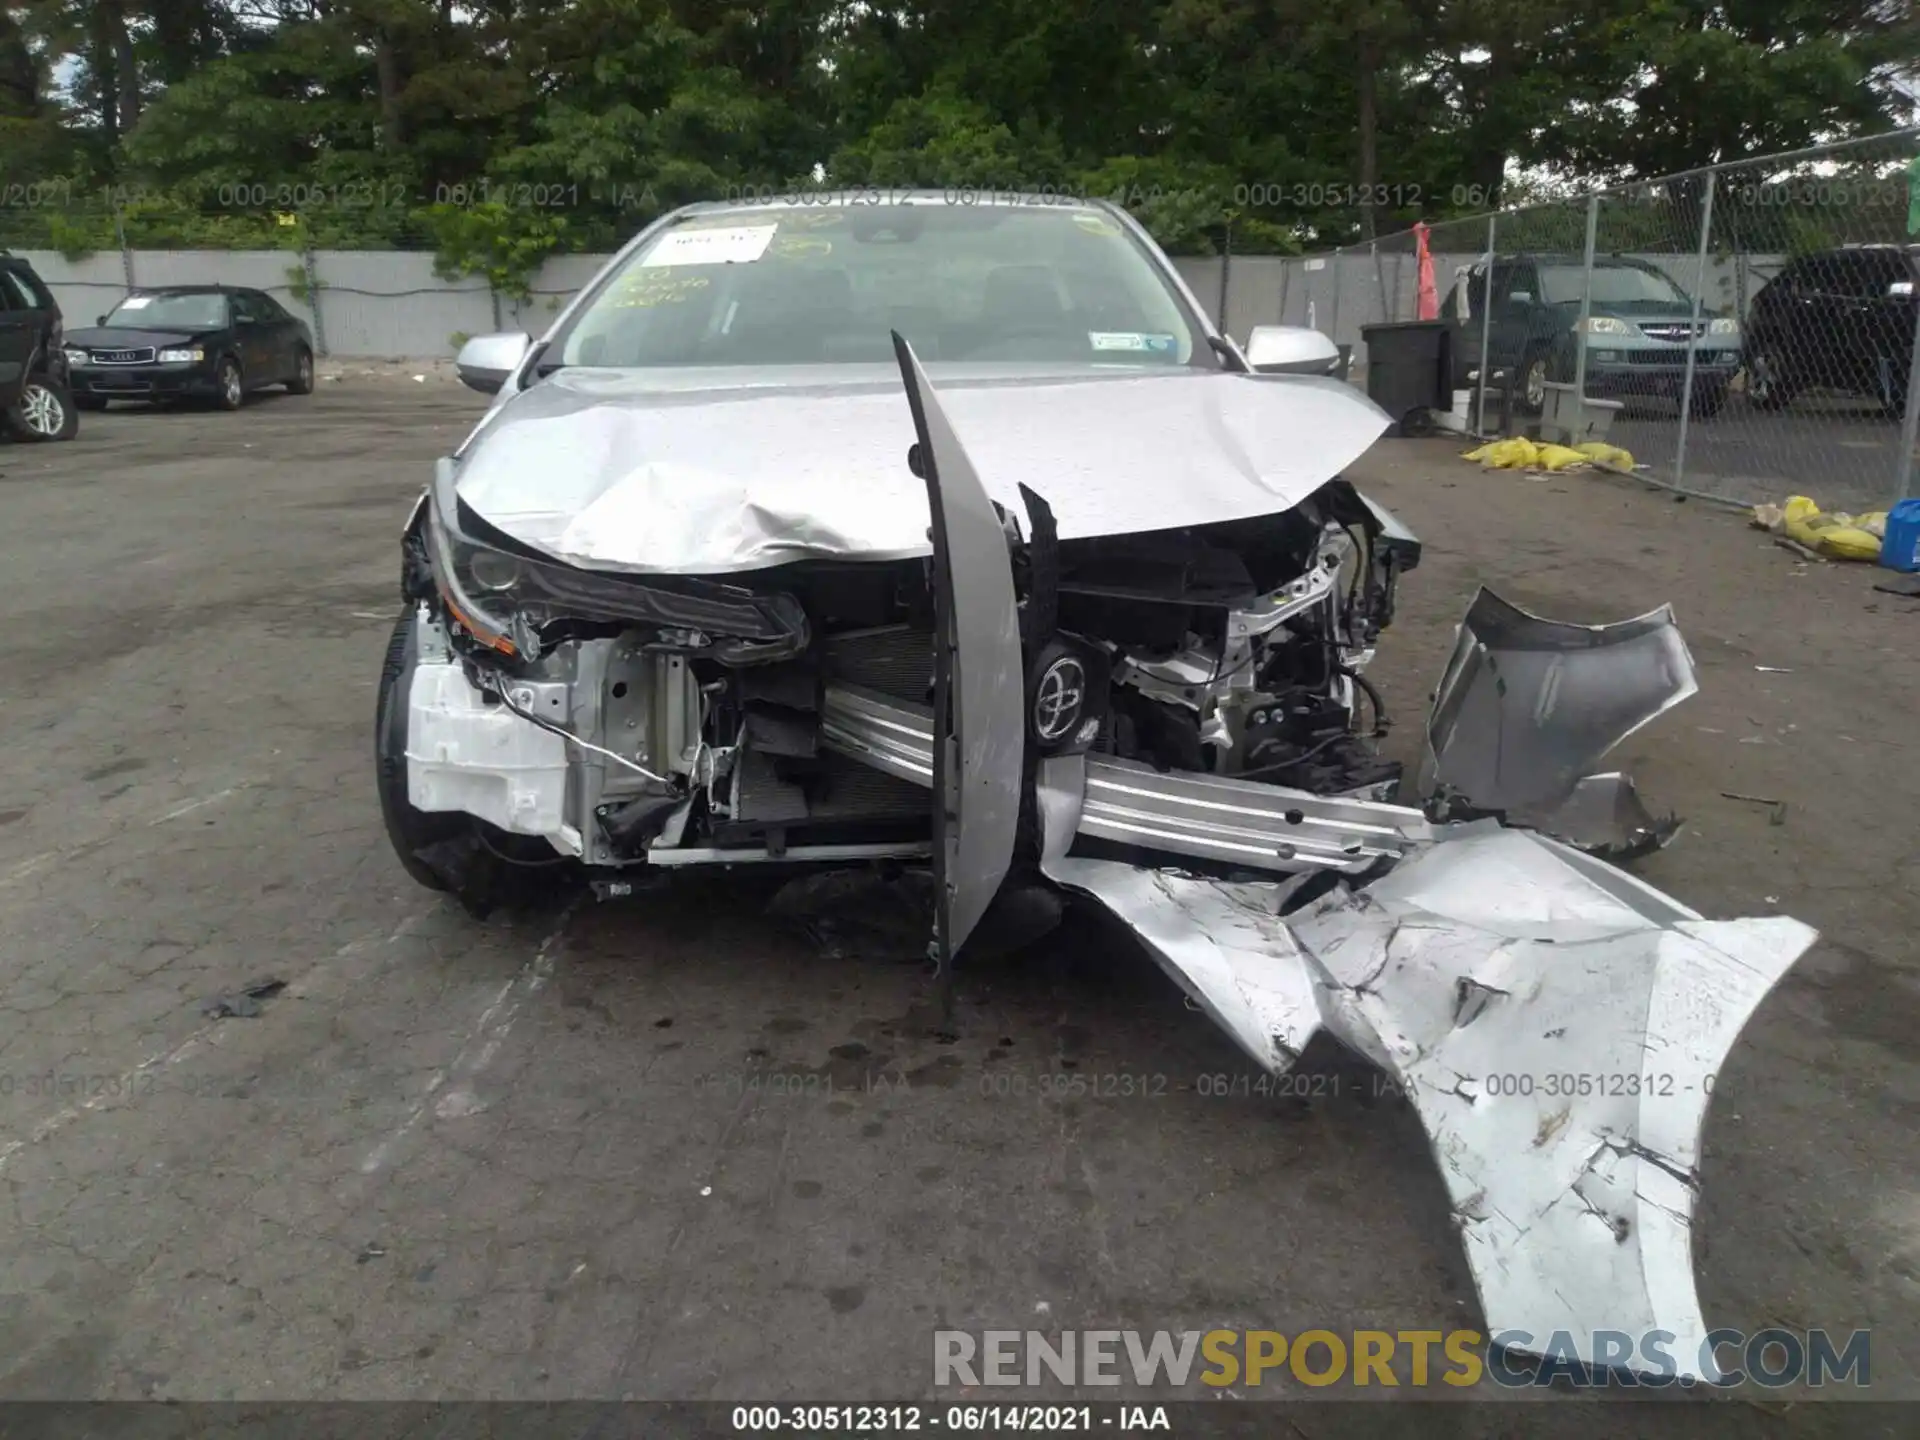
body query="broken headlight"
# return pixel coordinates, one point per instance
(452, 555)
(504, 599)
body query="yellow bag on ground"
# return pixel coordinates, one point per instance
(1606, 454)
(1515, 454)
(1557, 457)
(1831, 535)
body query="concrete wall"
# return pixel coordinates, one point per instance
(373, 304)
(389, 304)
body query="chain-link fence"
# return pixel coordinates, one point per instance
(1754, 323)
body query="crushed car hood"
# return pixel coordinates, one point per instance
(706, 472)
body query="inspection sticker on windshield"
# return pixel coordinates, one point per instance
(795, 246)
(1129, 340)
(136, 302)
(721, 245)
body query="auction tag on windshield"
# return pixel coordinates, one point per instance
(1129, 340)
(728, 245)
(136, 302)
(794, 247)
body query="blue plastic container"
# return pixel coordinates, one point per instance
(1900, 550)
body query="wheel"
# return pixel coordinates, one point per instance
(411, 831)
(44, 411)
(482, 867)
(92, 404)
(302, 382)
(232, 391)
(1707, 401)
(1768, 385)
(1533, 382)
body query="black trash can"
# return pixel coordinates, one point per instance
(1410, 370)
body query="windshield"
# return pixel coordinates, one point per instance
(171, 312)
(1612, 285)
(816, 285)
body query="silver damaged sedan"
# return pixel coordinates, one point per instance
(954, 535)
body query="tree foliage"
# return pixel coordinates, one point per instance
(498, 131)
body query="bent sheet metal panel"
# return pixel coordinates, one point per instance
(1500, 967)
(987, 713)
(1479, 967)
(698, 470)
(1527, 707)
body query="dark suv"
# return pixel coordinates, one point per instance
(1836, 319)
(34, 402)
(1638, 326)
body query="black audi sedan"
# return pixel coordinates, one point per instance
(187, 342)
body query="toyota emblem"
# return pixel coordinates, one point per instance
(1058, 698)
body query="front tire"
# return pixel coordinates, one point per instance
(1534, 374)
(483, 868)
(44, 411)
(230, 389)
(411, 831)
(302, 381)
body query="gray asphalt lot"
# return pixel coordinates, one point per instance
(689, 1147)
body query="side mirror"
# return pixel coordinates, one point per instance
(485, 361)
(1291, 350)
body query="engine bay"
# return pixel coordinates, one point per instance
(694, 713)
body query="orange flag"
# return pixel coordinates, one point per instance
(1429, 297)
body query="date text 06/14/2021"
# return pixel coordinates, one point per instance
(904, 1419)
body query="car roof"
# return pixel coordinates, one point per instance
(879, 197)
(1559, 257)
(1875, 249)
(188, 289)
(1879, 250)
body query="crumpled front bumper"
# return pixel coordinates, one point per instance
(1556, 1024)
